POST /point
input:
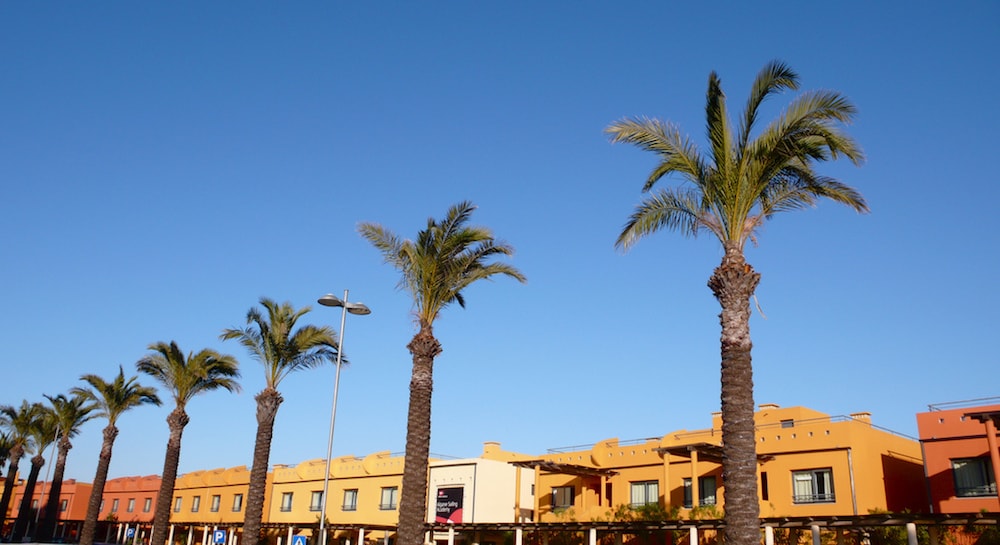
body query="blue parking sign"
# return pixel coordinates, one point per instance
(130, 532)
(219, 537)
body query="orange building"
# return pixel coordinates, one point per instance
(73, 498)
(961, 457)
(809, 464)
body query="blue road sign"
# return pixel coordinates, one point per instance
(130, 532)
(298, 540)
(219, 537)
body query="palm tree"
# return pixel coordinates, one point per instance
(281, 349)
(43, 433)
(5, 445)
(184, 377)
(446, 258)
(18, 423)
(111, 400)
(70, 414)
(730, 192)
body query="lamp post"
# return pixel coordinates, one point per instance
(360, 309)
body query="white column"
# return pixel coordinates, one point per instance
(170, 536)
(190, 534)
(693, 536)
(593, 536)
(290, 530)
(815, 534)
(361, 536)
(204, 536)
(911, 533)
(451, 535)
(118, 536)
(768, 535)
(518, 536)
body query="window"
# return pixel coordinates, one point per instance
(102, 505)
(114, 506)
(389, 496)
(34, 504)
(286, 501)
(706, 492)
(813, 486)
(350, 500)
(131, 505)
(787, 423)
(195, 504)
(645, 493)
(237, 503)
(316, 501)
(63, 506)
(562, 497)
(177, 504)
(216, 502)
(147, 504)
(763, 486)
(974, 477)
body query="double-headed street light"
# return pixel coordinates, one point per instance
(331, 300)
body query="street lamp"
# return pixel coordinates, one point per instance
(331, 300)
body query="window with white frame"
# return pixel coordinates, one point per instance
(389, 496)
(644, 493)
(237, 503)
(706, 492)
(813, 486)
(195, 504)
(562, 497)
(147, 505)
(63, 506)
(114, 506)
(973, 477)
(216, 502)
(177, 504)
(350, 500)
(286, 501)
(316, 500)
(130, 508)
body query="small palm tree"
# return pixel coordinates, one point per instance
(70, 414)
(43, 433)
(743, 181)
(281, 349)
(184, 377)
(446, 257)
(18, 423)
(111, 400)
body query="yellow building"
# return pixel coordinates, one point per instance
(363, 492)
(206, 500)
(808, 464)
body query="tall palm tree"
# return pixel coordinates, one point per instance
(184, 377)
(43, 433)
(445, 258)
(111, 400)
(744, 179)
(5, 445)
(70, 414)
(281, 349)
(18, 422)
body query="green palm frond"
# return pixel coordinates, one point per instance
(743, 181)
(117, 396)
(19, 423)
(187, 376)
(274, 341)
(71, 413)
(445, 258)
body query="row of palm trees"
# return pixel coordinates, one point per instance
(747, 176)
(270, 337)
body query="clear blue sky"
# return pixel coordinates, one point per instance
(164, 165)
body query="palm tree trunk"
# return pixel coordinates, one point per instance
(47, 529)
(413, 498)
(24, 512)
(8, 485)
(176, 421)
(733, 283)
(268, 401)
(97, 492)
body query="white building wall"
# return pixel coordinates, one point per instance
(488, 488)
